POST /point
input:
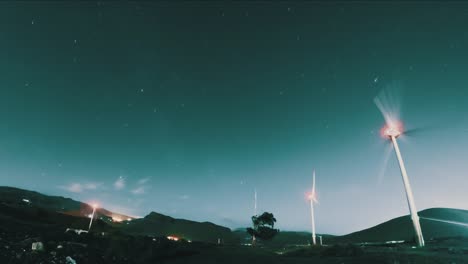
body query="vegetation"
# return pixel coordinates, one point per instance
(263, 227)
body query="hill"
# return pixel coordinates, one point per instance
(32, 209)
(36, 208)
(156, 224)
(401, 228)
(19, 197)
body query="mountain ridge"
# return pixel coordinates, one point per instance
(435, 222)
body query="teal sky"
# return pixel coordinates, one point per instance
(185, 108)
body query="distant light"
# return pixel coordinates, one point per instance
(116, 219)
(95, 205)
(129, 219)
(26, 201)
(173, 238)
(395, 242)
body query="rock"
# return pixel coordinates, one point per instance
(28, 241)
(69, 260)
(37, 246)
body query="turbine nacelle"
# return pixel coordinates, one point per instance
(312, 197)
(392, 130)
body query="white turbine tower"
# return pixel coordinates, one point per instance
(255, 213)
(393, 130)
(92, 215)
(388, 105)
(313, 199)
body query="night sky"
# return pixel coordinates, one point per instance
(186, 108)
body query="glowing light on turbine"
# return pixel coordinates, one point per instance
(311, 196)
(392, 130)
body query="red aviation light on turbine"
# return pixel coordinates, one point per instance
(392, 130)
(310, 196)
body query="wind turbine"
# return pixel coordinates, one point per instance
(255, 202)
(389, 107)
(393, 130)
(255, 213)
(92, 215)
(313, 199)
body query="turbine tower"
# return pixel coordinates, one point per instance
(255, 201)
(393, 131)
(255, 213)
(92, 216)
(313, 199)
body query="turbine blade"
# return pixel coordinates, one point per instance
(386, 157)
(255, 201)
(422, 130)
(314, 192)
(387, 101)
(313, 183)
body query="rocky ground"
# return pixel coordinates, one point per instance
(49, 246)
(69, 248)
(43, 242)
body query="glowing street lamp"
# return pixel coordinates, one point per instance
(393, 131)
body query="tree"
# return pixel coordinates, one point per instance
(263, 227)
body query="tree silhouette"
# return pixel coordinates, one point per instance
(263, 227)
